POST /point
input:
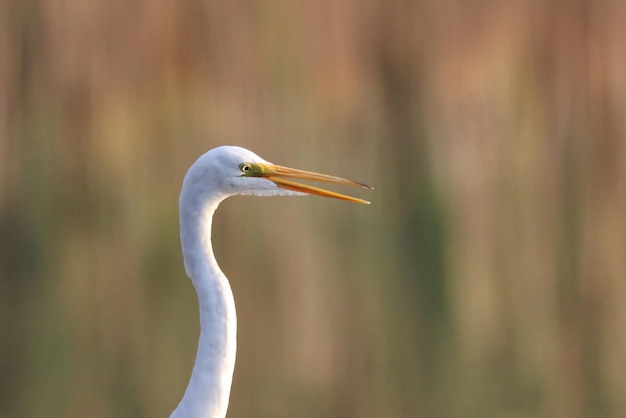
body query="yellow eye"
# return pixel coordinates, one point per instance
(245, 168)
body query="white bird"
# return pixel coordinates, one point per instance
(219, 173)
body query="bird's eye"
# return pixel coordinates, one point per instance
(245, 168)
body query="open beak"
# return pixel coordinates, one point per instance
(279, 175)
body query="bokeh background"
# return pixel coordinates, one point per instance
(487, 279)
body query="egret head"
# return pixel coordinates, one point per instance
(228, 170)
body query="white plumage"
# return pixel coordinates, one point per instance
(219, 173)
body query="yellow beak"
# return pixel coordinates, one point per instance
(279, 175)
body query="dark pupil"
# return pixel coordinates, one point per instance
(246, 168)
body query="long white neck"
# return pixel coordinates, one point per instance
(209, 387)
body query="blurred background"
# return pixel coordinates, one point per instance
(487, 279)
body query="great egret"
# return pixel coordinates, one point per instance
(219, 173)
